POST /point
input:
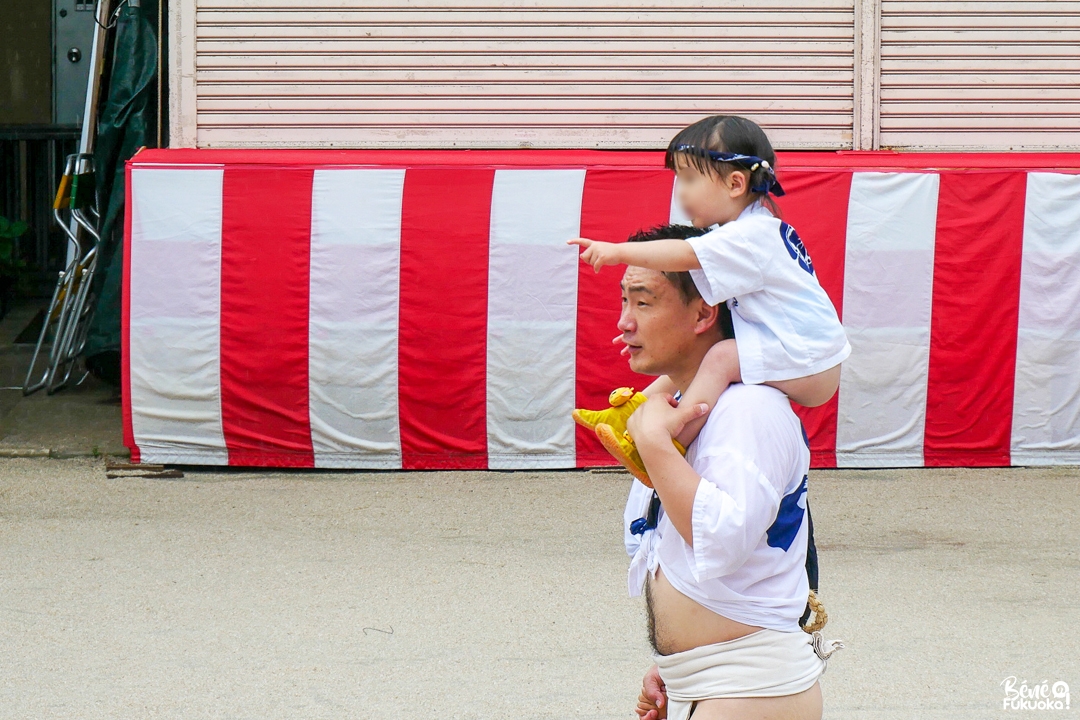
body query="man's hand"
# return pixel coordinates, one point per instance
(596, 253)
(652, 702)
(661, 418)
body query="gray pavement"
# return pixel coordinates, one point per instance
(474, 595)
(80, 420)
(493, 595)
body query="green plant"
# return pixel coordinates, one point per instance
(9, 231)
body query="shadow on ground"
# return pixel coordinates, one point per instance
(82, 419)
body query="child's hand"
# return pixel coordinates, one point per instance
(596, 253)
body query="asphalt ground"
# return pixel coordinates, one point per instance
(494, 595)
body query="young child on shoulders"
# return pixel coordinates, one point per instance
(787, 332)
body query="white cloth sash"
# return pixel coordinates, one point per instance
(765, 663)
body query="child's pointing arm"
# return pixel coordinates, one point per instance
(662, 255)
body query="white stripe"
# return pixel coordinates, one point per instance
(532, 318)
(175, 298)
(1046, 400)
(888, 288)
(353, 325)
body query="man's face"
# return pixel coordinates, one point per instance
(657, 327)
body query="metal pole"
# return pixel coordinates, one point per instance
(43, 234)
(93, 87)
(24, 180)
(160, 47)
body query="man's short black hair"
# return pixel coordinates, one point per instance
(682, 281)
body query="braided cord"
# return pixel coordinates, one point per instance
(819, 617)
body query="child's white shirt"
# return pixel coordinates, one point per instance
(785, 325)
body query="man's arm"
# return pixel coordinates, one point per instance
(662, 255)
(674, 480)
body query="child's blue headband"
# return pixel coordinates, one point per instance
(750, 162)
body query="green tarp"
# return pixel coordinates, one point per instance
(127, 120)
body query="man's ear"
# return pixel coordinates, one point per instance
(707, 317)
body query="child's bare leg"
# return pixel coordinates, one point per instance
(719, 368)
(812, 390)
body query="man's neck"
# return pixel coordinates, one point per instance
(683, 376)
(682, 380)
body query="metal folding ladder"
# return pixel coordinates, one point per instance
(66, 322)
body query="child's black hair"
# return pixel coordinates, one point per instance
(725, 133)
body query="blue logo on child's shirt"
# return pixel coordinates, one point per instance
(795, 247)
(788, 519)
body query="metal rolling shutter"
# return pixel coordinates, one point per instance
(503, 73)
(985, 75)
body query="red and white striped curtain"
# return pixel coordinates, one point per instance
(421, 310)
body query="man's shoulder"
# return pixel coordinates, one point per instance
(757, 399)
(752, 426)
(749, 416)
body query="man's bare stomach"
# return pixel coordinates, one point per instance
(678, 623)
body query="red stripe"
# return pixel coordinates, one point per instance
(442, 337)
(816, 205)
(977, 252)
(885, 160)
(614, 205)
(265, 253)
(125, 325)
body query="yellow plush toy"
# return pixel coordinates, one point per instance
(624, 401)
(610, 427)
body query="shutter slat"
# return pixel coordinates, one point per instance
(498, 73)
(632, 67)
(549, 91)
(639, 136)
(984, 75)
(403, 7)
